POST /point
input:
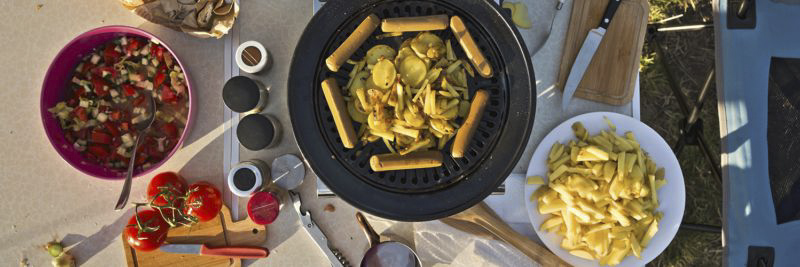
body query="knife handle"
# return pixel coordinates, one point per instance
(610, 10)
(239, 252)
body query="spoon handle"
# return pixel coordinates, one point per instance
(126, 187)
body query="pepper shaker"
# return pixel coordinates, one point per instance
(252, 179)
(244, 95)
(247, 177)
(252, 57)
(257, 131)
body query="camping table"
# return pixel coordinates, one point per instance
(279, 25)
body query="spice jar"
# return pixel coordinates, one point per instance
(252, 57)
(264, 207)
(244, 95)
(257, 131)
(247, 177)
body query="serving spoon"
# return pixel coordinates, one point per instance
(141, 130)
(483, 216)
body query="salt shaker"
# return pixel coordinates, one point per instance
(244, 95)
(252, 57)
(247, 177)
(257, 131)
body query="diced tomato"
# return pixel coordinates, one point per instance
(87, 66)
(99, 86)
(111, 128)
(72, 102)
(99, 151)
(141, 158)
(82, 134)
(98, 71)
(115, 116)
(80, 112)
(125, 126)
(79, 91)
(152, 151)
(157, 51)
(133, 45)
(99, 137)
(167, 95)
(138, 101)
(159, 79)
(110, 55)
(129, 89)
(142, 146)
(170, 130)
(119, 157)
(69, 136)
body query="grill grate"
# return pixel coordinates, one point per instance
(420, 180)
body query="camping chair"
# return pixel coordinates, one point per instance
(758, 91)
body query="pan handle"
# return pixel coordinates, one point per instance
(372, 236)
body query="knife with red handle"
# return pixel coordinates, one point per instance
(239, 252)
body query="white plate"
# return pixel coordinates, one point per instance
(671, 196)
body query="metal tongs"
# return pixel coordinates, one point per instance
(336, 257)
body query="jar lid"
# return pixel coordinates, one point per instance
(246, 178)
(263, 207)
(251, 57)
(255, 132)
(288, 171)
(241, 94)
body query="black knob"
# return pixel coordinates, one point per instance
(241, 94)
(256, 132)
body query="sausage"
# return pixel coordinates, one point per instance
(470, 47)
(467, 130)
(352, 43)
(414, 160)
(336, 104)
(415, 24)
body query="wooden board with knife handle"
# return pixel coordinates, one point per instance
(611, 76)
(220, 231)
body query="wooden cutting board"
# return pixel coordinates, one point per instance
(218, 232)
(611, 76)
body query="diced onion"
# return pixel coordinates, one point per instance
(102, 117)
(95, 59)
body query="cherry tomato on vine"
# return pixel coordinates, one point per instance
(174, 185)
(204, 201)
(148, 233)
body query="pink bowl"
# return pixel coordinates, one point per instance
(55, 82)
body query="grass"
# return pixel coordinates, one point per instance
(690, 56)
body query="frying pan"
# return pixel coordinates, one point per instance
(387, 253)
(420, 194)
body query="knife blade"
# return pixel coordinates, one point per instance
(585, 55)
(239, 252)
